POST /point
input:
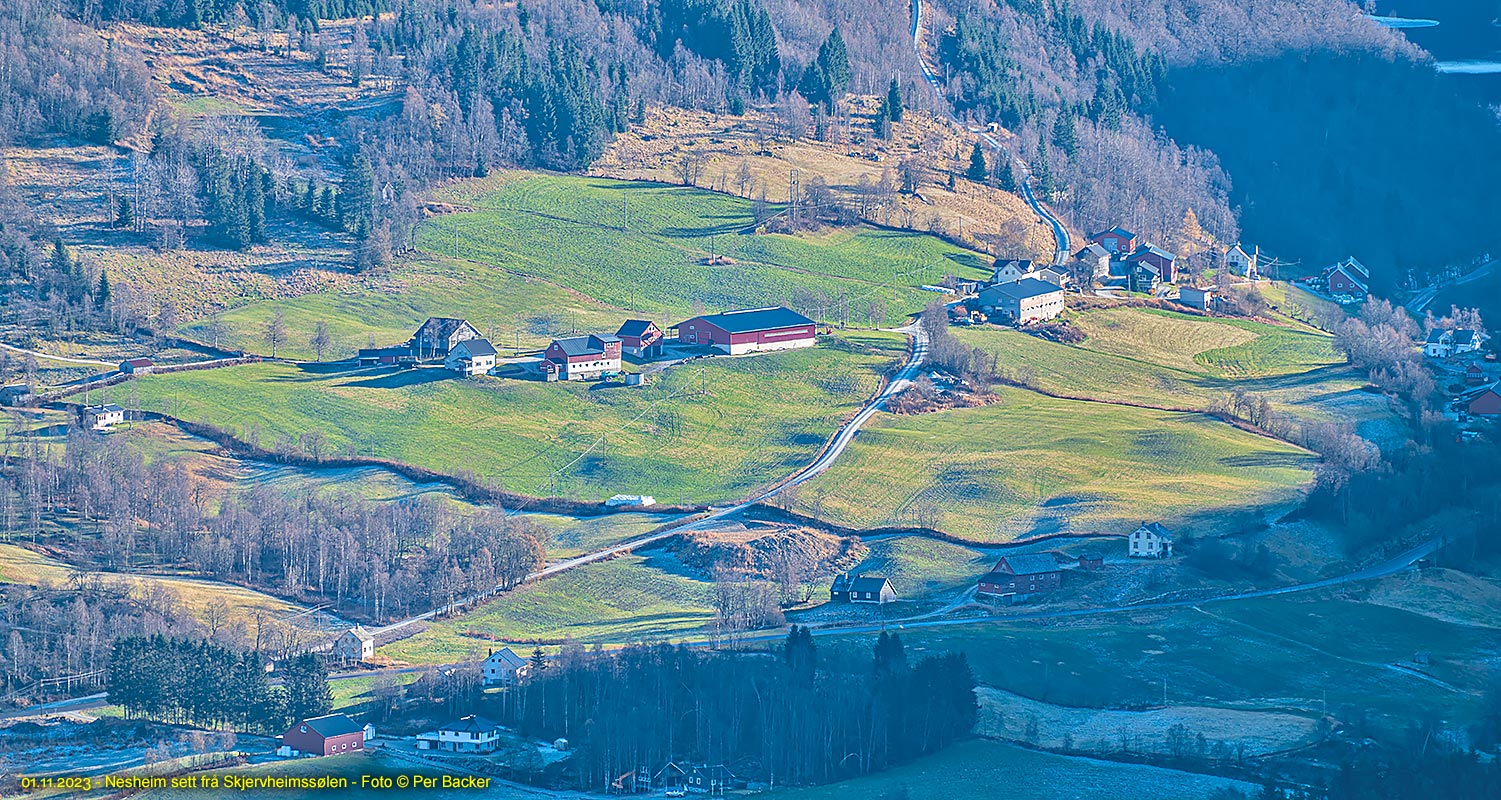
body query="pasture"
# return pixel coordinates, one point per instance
(762, 417)
(1030, 464)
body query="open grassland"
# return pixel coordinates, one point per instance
(1291, 654)
(568, 230)
(918, 566)
(1220, 346)
(573, 536)
(1030, 464)
(628, 599)
(763, 416)
(985, 768)
(21, 566)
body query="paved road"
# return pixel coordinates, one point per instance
(1025, 178)
(831, 452)
(1421, 300)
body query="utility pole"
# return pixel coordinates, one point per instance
(793, 190)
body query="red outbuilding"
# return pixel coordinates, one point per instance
(1486, 403)
(640, 338)
(1116, 240)
(1020, 576)
(325, 736)
(748, 331)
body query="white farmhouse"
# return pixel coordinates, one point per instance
(471, 357)
(1151, 540)
(504, 668)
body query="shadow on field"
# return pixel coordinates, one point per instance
(403, 378)
(733, 224)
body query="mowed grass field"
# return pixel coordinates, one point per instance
(763, 417)
(979, 767)
(541, 255)
(628, 599)
(1030, 464)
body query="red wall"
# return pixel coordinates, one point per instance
(311, 742)
(1486, 404)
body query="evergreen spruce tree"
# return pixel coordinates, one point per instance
(357, 196)
(1004, 177)
(124, 214)
(101, 291)
(306, 683)
(894, 101)
(254, 201)
(538, 662)
(62, 260)
(1064, 137)
(977, 167)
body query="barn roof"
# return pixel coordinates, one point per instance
(590, 345)
(1025, 289)
(332, 725)
(1027, 564)
(634, 327)
(1144, 250)
(1463, 337)
(1117, 230)
(751, 320)
(138, 362)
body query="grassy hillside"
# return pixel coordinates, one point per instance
(1030, 464)
(764, 416)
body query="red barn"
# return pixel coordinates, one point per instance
(1486, 403)
(640, 338)
(325, 736)
(1474, 375)
(1165, 263)
(1116, 240)
(583, 357)
(748, 331)
(1348, 277)
(1020, 576)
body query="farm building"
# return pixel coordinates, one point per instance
(1116, 240)
(873, 589)
(103, 416)
(631, 501)
(504, 668)
(1011, 269)
(1474, 375)
(1096, 256)
(1091, 560)
(1024, 300)
(1151, 540)
(1241, 262)
(355, 644)
(1483, 402)
(439, 335)
(471, 734)
(640, 338)
(1194, 297)
(1019, 577)
(15, 394)
(137, 366)
(710, 779)
(1443, 343)
(471, 357)
(1054, 275)
(377, 356)
(1348, 277)
(327, 735)
(582, 357)
(749, 331)
(1165, 263)
(1141, 276)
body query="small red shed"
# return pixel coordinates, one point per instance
(1486, 403)
(327, 735)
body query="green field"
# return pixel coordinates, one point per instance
(542, 256)
(919, 566)
(1219, 346)
(764, 416)
(1031, 464)
(980, 768)
(627, 599)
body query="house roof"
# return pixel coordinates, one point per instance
(1437, 336)
(874, 584)
(471, 724)
(1052, 274)
(1474, 369)
(754, 319)
(506, 657)
(1025, 289)
(1354, 266)
(1156, 528)
(1236, 248)
(138, 362)
(332, 725)
(634, 327)
(590, 345)
(1142, 251)
(103, 408)
(1463, 337)
(443, 326)
(477, 347)
(360, 633)
(1196, 290)
(1094, 249)
(1023, 264)
(1117, 230)
(1027, 564)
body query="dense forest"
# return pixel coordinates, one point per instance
(804, 714)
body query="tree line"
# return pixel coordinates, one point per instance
(802, 713)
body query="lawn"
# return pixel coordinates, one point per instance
(764, 416)
(1031, 464)
(962, 769)
(572, 536)
(1219, 346)
(628, 599)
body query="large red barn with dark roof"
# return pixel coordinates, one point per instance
(749, 331)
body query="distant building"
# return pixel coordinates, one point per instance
(328, 735)
(1054, 275)
(439, 335)
(1194, 297)
(1474, 375)
(471, 357)
(355, 644)
(377, 356)
(1116, 240)
(749, 331)
(1348, 277)
(104, 416)
(1483, 402)
(582, 357)
(1091, 560)
(1022, 301)
(1443, 343)
(15, 394)
(1241, 262)
(1165, 263)
(873, 589)
(137, 366)
(471, 734)
(640, 338)
(1151, 540)
(1141, 276)
(1467, 341)
(1008, 270)
(711, 779)
(1022, 576)
(631, 501)
(504, 668)
(1097, 257)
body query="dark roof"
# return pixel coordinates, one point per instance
(1463, 336)
(1436, 336)
(584, 345)
(1117, 230)
(1474, 368)
(332, 725)
(471, 724)
(1156, 527)
(754, 319)
(477, 347)
(103, 407)
(1024, 263)
(1028, 564)
(138, 362)
(443, 326)
(1142, 250)
(1025, 288)
(633, 327)
(869, 583)
(505, 656)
